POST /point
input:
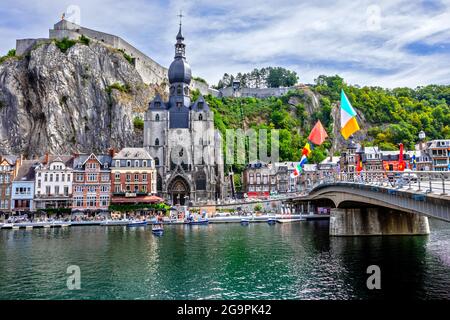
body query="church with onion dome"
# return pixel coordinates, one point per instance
(180, 136)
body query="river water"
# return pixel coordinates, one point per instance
(219, 261)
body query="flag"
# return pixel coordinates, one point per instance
(303, 161)
(307, 149)
(63, 16)
(349, 125)
(318, 134)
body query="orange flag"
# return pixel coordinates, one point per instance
(318, 134)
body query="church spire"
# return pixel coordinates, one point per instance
(180, 47)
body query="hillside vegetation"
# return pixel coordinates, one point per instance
(388, 117)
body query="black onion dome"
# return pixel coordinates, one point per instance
(180, 71)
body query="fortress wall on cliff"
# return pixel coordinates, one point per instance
(150, 71)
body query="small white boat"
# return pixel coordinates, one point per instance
(245, 221)
(29, 227)
(7, 225)
(47, 226)
(15, 227)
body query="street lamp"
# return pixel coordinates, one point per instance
(421, 140)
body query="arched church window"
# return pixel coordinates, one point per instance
(156, 161)
(200, 117)
(157, 142)
(157, 117)
(179, 90)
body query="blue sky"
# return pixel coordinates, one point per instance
(385, 43)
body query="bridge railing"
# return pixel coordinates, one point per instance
(437, 182)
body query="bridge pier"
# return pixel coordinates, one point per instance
(376, 221)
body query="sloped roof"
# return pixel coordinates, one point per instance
(133, 153)
(26, 171)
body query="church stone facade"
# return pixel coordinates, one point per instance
(180, 136)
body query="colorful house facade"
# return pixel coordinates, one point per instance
(91, 185)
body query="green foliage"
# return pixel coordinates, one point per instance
(84, 40)
(199, 80)
(129, 58)
(117, 86)
(137, 207)
(195, 94)
(65, 44)
(266, 77)
(138, 123)
(11, 54)
(397, 115)
(258, 207)
(281, 77)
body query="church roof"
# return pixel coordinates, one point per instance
(157, 103)
(180, 71)
(200, 104)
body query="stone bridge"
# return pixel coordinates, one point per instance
(381, 206)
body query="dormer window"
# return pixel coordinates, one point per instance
(118, 163)
(200, 105)
(158, 104)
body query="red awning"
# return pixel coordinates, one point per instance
(135, 200)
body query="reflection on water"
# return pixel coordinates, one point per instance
(289, 261)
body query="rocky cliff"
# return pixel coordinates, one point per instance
(81, 100)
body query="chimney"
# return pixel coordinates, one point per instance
(46, 158)
(112, 152)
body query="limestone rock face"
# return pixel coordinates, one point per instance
(83, 100)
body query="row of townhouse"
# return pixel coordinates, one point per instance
(430, 156)
(80, 182)
(262, 179)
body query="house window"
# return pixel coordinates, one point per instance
(118, 163)
(128, 177)
(56, 189)
(144, 177)
(128, 163)
(136, 177)
(117, 176)
(92, 177)
(136, 163)
(144, 163)
(47, 190)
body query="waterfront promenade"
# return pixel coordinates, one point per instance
(167, 221)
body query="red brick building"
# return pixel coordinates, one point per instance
(91, 186)
(133, 177)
